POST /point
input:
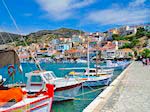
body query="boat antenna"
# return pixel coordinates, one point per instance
(17, 28)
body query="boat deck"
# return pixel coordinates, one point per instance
(130, 92)
(25, 101)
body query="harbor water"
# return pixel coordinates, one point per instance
(76, 105)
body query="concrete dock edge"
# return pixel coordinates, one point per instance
(97, 104)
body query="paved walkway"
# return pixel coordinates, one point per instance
(133, 92)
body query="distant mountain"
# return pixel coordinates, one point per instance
(42, 35)
(62, 31)
(6, 37)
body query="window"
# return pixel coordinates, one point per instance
(36, 79)
(49, 76)
(53, 75)
(92, 71)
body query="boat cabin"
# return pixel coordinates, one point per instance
(90, 72)
(97, 72)
(36, 80)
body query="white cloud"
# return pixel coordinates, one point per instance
(62, 9)
(136, 3)
(120, 16)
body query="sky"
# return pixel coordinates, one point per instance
(86, 15)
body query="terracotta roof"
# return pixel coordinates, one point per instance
(126, 50)
(72, 51)
(43, 51)
(109, 45)
(76, 51)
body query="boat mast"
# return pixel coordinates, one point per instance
(97, 53)
(88, 56)
(96, 61)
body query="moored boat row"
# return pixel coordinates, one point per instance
(43, 87)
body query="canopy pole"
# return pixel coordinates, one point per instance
(88, 57)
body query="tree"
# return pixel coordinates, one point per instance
(126, 45)
(148, 34)
(135, 53)
(130, 55)
(134, 42)
(130, 38)
(53, 56)
(140, 32)
(118, 37)
(115, 36)
(146, 53)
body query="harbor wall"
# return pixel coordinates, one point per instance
(97, 104)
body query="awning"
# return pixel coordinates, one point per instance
(7, 57)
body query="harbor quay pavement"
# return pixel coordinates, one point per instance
(131, 94)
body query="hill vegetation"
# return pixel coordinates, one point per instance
(39, 36)
(6, 37)
(138, 40)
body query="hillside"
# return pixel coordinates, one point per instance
(138, 40)
(6, 37)
(39, 36)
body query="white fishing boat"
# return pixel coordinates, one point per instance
(92, 71)
(16, 99)
(91, 79)
(92, 76)
(98, 72)
(81, 61)
(65, 88)
(120, 65)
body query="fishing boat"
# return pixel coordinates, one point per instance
(91, 79)
(92, 71)
(120, 65)
(14, 99)
(92, 76)
(81, 61)
(65, 88)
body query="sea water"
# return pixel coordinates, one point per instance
(76, 105)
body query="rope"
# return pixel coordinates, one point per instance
(92, 91)
(2, 38)
(81, 95)
(15, 45)
(14, 49)
(81, 99)
(17, 28)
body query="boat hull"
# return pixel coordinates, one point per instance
(66, 93)
(94, 83)
(42, 104)
(114, 67)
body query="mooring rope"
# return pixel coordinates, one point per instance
(81, 94)
(92, 91)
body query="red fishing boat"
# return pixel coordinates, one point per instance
(14, 99)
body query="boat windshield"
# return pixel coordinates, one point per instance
(36, 79)
(49, 76)
(52, 73)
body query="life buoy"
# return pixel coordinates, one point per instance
(11, 70)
